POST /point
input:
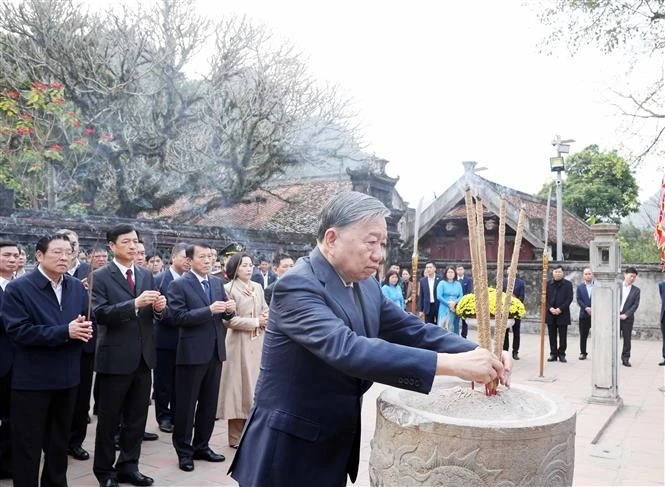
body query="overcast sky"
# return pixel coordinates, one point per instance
(437, 83)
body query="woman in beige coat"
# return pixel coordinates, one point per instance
(244, 342)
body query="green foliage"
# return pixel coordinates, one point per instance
(638, 245)
(600, 186)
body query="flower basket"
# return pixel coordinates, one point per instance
(466, 307)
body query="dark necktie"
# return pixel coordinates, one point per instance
(130, 280)
(206, 289)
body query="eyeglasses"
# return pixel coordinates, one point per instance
(61, 253)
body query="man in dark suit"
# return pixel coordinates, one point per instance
(519, 293)
(263, 274)
(45, 317)
(630, 300)
(77, 269)
(125, 302)
(331, 332)
(661, 289)
(9, 255)
(428, 306)
(166, 335)
(281, 265)
(559, 297)
(583, 295)
(198, 303)
(467, 288)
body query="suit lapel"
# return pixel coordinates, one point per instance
(196, 286)
(119, 278)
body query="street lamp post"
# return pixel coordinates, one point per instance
(557, 165)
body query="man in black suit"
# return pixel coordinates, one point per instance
(263, 274)
(281, 265)
(197, 304)
(9, 255)
(583, 295)
(520, 293)
(559, 296)
(467, 288)
(630, 300)
(125, 303)
(428, 307)
(166, 335)
(44, 315)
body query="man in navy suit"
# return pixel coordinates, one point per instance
(9, 255)
(583, 295)
(166, 336)
(331, 332)
(77, 269)
(197, 304)
(519, 293)
(263, 274)
(125, 302)
(467, 288)
(428, 306)
(661, 289)
(630, 300)
(45, 317)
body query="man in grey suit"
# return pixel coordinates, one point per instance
(630, 300)
(331, 332)
(125, 304)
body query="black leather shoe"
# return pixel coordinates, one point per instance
(109, 483)
(562, 358)
(552, 358)
(135, 478)
(209, 456)
(626, 363)
(662, 363)
(583, 356)
(78, 452)
(516, 356)
(186, 464)
(166, 426)
(6, 474)
(150, 436)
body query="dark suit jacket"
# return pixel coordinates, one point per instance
(583, 300)
(467, 284)
(267, 292)
(423, 295)
(661, 289)
(44, 356)
(321, 353)
(631, 304)
(258, 277)
(166, 331)
(6, 349)
(559, 296)
(82, 271)
(201, 334)
(123, 335)
(519, 289)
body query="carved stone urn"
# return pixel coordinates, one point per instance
(457, 436)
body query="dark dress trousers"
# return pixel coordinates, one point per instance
(123, 359)
(199, 358)
(166, 338)
(626, 326)
(6, 361)
(322, 350)
(467, 288)
(584, 302)
(661, 290)
(520, 293)
(559, 295)
(430, 310)
(45, 374)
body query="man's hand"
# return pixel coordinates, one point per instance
(84, 281)
(477, 365)
(230, 306)
(588, 310)
(147, 298)
(223, 307)
(159, 305)
(80, 329)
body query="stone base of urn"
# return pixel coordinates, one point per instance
(456, 436)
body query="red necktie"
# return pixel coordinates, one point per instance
(130, 281)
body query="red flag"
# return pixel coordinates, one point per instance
(659, 233)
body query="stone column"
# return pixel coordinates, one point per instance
(606, 266)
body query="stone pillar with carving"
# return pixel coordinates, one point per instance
(605, 299)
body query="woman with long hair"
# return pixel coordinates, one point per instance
(244, 342)
(448, 293)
